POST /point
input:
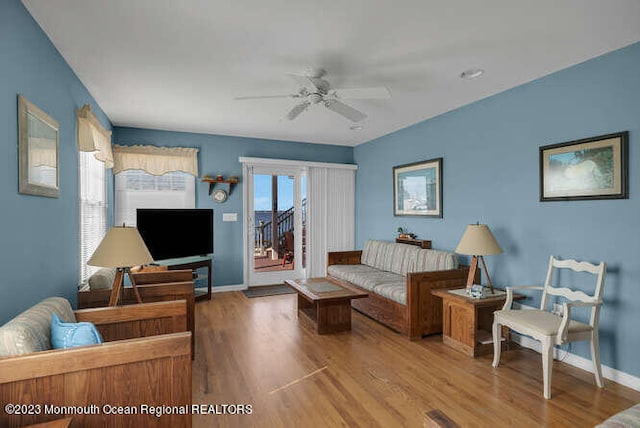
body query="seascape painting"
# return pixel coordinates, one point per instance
(594, 168)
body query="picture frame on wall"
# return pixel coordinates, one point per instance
(38, 162)
(591, 168)
(417, 189)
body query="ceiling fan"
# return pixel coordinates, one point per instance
(316, 90)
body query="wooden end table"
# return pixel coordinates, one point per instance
(467, 322)
(325, 302)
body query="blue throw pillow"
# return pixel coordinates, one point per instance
(69, 334)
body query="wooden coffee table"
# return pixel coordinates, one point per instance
(325, 302)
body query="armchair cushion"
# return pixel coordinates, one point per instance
(31, 330)
(102, 279)
(544, 322)
(70, 335)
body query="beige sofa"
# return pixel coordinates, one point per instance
(399, 279)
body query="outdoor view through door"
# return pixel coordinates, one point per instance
(275, 220)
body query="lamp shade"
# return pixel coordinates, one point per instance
(478, 241)
(121, 247)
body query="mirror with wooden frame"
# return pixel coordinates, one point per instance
(38, 169)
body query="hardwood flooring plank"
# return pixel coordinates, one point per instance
(257, 352)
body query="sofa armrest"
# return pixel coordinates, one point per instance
(344, 257)
(421, 301)
(122, 373)
(141, 320)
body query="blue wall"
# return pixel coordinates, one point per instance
(490, 151)
(39, 251)
(219, 155)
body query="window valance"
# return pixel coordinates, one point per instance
(92, 137)
(156, 160)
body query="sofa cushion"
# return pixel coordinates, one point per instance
(30, 331)
(389, 256)
(396, 291)
(434, 260)
(102, 279)
(72, 334)
(364, 276)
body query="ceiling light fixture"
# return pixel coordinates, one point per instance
(356, 128)
(472, 73)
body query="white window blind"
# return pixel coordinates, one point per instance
(138, 189)
(93, 209)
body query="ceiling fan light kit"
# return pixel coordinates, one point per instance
(316, 90)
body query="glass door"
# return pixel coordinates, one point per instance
(276, 225)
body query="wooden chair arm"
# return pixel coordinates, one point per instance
(140, 320)
(142, 311)
(61, 361)
(163, 276)
(344, 257)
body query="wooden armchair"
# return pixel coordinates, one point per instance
(154, 286)
(145, 360)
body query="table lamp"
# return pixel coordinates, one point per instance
(478, 241)
(121, 248)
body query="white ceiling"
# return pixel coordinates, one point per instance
(178, 64)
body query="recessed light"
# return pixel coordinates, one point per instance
(472, 73)
(356, 128)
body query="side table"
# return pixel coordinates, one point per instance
(467, 322)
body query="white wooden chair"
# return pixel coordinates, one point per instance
(551, 329)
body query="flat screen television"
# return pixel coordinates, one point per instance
(175, 233)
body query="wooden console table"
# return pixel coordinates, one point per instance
(192, 263)
(467, 322)
(422, 243)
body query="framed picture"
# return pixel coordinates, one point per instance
(417, 189)
(37, 151)
(592, 168)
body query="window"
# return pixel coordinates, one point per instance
(93, 209)
(139, 189)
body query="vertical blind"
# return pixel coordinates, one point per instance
(330, 215)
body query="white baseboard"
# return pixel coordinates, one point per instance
(577, 361)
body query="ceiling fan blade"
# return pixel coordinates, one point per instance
(258, 97)
(302, 81)
(344, 110)
(295, 112)
(379, 93)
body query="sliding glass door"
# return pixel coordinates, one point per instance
(275, 217)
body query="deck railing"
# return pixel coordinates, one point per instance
(264, 231)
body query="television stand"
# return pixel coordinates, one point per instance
(194, 262)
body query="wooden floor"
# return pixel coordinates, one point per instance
(256, 352)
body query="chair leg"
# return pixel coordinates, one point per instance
(595, 357)
(497, 343)
(547, 366)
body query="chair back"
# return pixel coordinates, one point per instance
(288, 241)
(574, 295)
